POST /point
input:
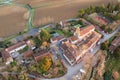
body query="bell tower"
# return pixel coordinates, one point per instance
(77, 32)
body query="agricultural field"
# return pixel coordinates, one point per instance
(55, 12)
(46, 11)
(12, 20)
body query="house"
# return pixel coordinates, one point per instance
(28, 53)
(12, 52)
(82, 33)
(73, 39)
(40, 54)
(56, 39)
(101, 20)
(115, 43)
(31, 44)
(69, 52)
(16, 47)
(7, 58)
(83, 41)
(115, 75)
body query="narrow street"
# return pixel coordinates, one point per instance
(107, 36)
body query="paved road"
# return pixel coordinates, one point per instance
(107, 36)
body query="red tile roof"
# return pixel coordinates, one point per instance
(73, 38)
(86, 29)
(15, 46)
(115, 75)
(57, 38)
(67, 51)
(38, 55)
(5, 55)
(116, 42)
(28, 53)
(100, 18)
(96, 36)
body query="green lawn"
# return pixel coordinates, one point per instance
(24, 49)
(48, 29)
(59, 32)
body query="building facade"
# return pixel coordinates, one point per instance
(83, 41)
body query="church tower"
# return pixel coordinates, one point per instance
(77, 32)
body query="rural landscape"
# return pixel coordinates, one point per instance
(58, 10)
(59, 40)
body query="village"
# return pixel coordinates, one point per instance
(74, 49)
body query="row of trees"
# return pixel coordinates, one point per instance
(102, 9)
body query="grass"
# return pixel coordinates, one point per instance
(61, 72)
(48, 29)
(60, 32)
(24, 49)
(111, 39)
(69, 34)
(110, 64)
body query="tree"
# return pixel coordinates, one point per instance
(44, 64)
(14, 63)
(90, 9)
(117, 17)
(37, 41)
(100, 9)
(103, 27)
(23, 76)
(61, 72)
(117, 7)
(104, 46)
(44, 35)
(10, 78)
(33, 67)
(58, 26)
(117, 53)
(109, 30)
(81, 12)
(110, 7)
(79, 22)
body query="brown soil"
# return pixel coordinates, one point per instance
(11, 20)
(63, 10)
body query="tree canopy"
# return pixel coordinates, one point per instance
(81, 12)
(44, 64)
(44, 35)
(37, 41)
